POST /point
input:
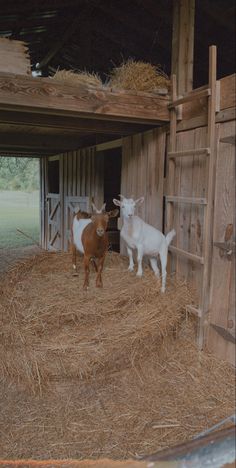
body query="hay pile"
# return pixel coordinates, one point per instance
(68, 77)
(139, 76)
(61, 331)
(104, 373)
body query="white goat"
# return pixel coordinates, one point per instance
(145, 238)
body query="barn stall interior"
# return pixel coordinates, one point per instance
(120, 373)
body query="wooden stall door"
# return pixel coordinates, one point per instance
(72, 205)
(53, 221)
(221, 331)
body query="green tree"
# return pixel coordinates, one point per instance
(19, 173)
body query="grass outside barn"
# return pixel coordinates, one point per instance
(18, 210)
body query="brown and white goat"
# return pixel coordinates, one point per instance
(89, 237)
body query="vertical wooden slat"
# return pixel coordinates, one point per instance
(62, 198)
(78, 169)
(207, 241)
(74, 173)
(65, 183)
(171, 162)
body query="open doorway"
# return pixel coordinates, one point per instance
(112, 185)
(19, 208)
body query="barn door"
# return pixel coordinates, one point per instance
(72, 206)
(221, 332)
(53, 221)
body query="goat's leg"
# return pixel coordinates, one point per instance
(163, 257)
(94, 264)
(131, 262)
(74, 266)
(86, 270)
(140, 258)
(153, 263)
(99, 275)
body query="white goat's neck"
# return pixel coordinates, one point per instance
(128, 225)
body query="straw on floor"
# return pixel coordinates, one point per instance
(104, 373)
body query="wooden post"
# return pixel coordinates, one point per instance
(208, 220)
(183, 44)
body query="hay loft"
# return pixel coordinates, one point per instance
(80, 78)
(139, 76)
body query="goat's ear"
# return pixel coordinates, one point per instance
(103, 209)
(139, 201)
(113, 213)
(116, 202)
(93, 207)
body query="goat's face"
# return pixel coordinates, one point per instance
(128, 205)
(100, 221)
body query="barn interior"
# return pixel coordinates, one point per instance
(123, 374)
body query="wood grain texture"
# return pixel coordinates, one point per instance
(222, 293)
(43, 94)
(143, 174)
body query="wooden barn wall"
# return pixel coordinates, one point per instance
(142, 173)
(190, 181)
(80, 175)
(222, 294)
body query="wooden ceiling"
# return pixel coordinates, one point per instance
(98, 34)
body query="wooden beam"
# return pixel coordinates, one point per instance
(109, 145)
(183, 44)
(70, 123)
(55, 144)
(58, 44)
(50, 97)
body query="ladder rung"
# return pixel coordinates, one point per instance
(193, 152)
(190, 97)
(193, 310)
(229, 139)
(184, 253)
(192, 201)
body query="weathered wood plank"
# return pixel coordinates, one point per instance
(43, 94)
(222, 294)
(182, 44)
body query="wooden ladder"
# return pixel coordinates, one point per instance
(210, 92)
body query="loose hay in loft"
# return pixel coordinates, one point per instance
(139, 76)
(83, 78)
(101, 373)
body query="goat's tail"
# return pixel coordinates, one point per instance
(170, 236)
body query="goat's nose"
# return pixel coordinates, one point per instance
(100, 232)
(130, 215)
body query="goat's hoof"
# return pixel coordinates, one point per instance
(131, 269)
(162, 290)
(139, 275)
(99, 285)
(85, 287)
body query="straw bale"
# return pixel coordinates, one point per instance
(104, 373)
(139, 76)
(79, 78)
